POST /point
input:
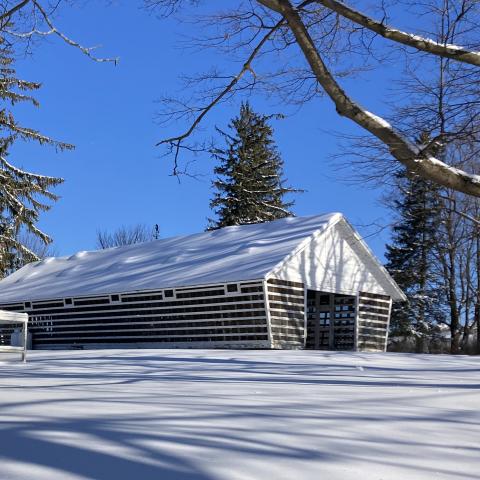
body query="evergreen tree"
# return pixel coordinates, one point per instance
(410, 256)
(23, 195)
(250, 187)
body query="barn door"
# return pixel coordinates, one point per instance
(330, 321)
(319, 326)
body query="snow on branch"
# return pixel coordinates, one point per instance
(29, 175)
(25, 251)
(53, 30)
(418, 42)
(412, 157)
(39, 14)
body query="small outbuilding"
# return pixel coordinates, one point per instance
(300, 282)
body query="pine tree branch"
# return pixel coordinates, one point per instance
(37, 232)
(32, 256)
(33, 134)
(26, 174)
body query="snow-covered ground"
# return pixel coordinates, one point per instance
(266, 415)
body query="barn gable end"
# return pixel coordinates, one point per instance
(336, 260)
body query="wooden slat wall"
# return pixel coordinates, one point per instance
(372, 321)
(204, 316)
(286, 303)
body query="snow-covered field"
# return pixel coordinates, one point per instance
(266, 415)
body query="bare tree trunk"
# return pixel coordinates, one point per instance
(452, 285)
(477, 299)
(454, 317)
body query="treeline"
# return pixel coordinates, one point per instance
(434, 256)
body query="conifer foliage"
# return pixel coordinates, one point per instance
(411, 255)
(250, 185)
(23, 195)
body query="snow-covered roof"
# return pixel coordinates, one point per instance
(246, 252)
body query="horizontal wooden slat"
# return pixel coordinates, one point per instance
(286, 307)
(374, 303)
(187, 316)
(370, 317)
(286, 299)
(287, 314)
(297, 331)
(365, 333)
(372, 344)
(372, 324)
(227, 330)
(288, 342)
(374, 295)
(148, 338)
(294, 321)
(147, 321)
(200, 294)
(187, 289)
(376, 310)
(288, 283)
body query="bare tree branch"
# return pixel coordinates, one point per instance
(53, 30)
(126, 235)
(9, 13)
(410, 155)
(247, 67)
(465, 215)
(454, 52)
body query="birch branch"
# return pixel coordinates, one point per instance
(418, 42)
(416, 160)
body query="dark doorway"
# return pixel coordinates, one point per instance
(330, 321)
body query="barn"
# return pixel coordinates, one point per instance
(301, 282)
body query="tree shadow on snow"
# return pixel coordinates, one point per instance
(160, 425)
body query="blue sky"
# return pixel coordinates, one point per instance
(116, 176)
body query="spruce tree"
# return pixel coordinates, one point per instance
(410, 258)
(23, 195)
(250, 187)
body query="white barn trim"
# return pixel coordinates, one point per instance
(13, 333)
